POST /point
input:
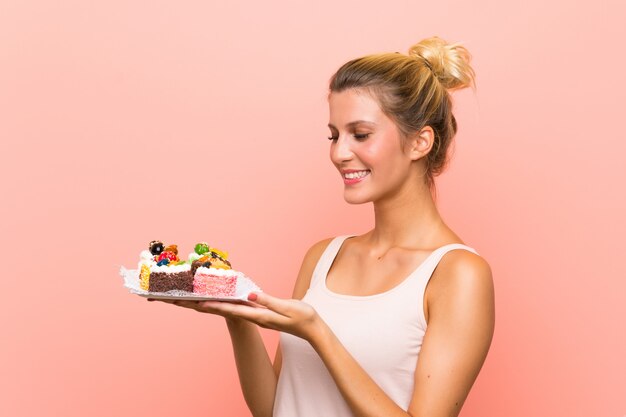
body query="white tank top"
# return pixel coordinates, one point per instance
(383, 332)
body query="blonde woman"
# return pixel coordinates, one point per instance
(396, 321)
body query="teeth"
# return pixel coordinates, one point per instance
(358, 174)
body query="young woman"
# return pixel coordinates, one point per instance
(396, 321)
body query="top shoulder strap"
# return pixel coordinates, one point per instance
(433, 260)
(326, 260)
(440, 252)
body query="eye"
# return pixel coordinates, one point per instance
(333, 138)
(361, 136)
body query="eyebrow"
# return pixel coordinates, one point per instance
(353, 124)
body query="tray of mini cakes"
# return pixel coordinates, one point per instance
(206, 274)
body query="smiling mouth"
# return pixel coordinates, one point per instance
(356, 174)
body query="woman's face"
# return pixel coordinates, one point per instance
(366, 147)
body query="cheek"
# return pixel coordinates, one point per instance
(381, 153)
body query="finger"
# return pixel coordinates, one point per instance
(273, 303)
(187, 304)
(216, 307)
(226, 309)
(181, 303)
(261, 316)
(255, 314)
(161, 300)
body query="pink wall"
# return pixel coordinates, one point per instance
(122, 122)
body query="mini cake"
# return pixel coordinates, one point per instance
(213, 273)
(167, 278)
(214, 282)
(161, 270)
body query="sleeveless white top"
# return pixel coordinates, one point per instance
(383, 332)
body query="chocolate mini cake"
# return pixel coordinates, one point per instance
(161, 270)
(168, 278)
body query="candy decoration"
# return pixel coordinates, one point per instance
(171, 256)
(203, 259)
(201, 248)
(163, 262)
(156, 247)
(219, 264)
(221, 254)
(172, 248)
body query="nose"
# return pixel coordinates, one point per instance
(340, 150)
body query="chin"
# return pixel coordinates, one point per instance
(356, 199)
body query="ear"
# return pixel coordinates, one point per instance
(421, 143)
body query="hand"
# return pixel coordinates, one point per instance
(290, 316)
(211, 307)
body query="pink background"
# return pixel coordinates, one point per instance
(127, 121)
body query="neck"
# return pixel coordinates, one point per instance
(410, 219)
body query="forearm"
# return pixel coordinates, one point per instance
(256, 374)
(364, 397)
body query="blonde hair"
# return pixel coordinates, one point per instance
(413, 90)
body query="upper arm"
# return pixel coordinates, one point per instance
(460, 328)
(303, 281)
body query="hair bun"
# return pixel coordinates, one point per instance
(450, 63)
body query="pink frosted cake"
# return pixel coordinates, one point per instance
(214, 282)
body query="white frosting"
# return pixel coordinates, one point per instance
(219, 272)
(146, 258)
(145, 255)
(170, 269)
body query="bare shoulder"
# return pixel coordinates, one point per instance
(460, 306)
(311, 258)
(461, 278)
